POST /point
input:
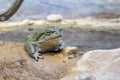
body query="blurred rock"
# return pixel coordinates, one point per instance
(54, 18)
(27, 22)
(98, 64)
(16, 64)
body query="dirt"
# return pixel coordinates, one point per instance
(16, 64)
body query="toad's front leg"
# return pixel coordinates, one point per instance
(32, 49)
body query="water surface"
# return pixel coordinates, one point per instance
(85, 40)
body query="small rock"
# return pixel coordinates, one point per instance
(89, 18)
(64, 61)
(30, 29)
(28, 22)
(71, 56)
(72, 52)
(54, 18)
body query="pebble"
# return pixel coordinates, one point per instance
(54, 18)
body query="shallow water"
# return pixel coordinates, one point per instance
(85, 40)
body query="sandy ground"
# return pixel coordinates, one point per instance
(16, 64)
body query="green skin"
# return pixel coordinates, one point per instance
(44, 41)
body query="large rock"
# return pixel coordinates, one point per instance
(16, 64)
(97, 65)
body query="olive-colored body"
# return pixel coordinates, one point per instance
(44, 41)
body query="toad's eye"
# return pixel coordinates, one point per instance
(48, 32)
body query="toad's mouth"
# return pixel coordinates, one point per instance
(54, 38)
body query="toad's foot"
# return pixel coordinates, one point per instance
(37, 56)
